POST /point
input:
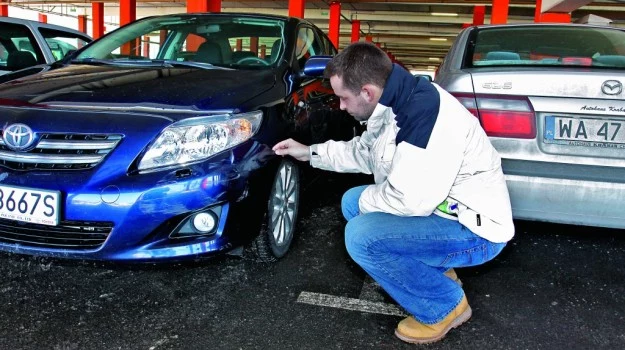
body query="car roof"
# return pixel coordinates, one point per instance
(36, 24)
(242, 14)
(565, 25)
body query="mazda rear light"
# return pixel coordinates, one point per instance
(468, 101)
(502, 116)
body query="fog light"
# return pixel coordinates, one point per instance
(204, 222)
(201, 223)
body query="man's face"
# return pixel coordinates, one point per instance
(357, 105)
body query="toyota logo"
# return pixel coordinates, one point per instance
(612, 87)
(18, 137)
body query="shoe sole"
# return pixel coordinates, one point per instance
(462, 318)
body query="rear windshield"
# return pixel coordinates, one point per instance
(548, 46)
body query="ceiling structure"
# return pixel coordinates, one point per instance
(417, 32)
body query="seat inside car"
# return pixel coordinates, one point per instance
(20, 59)
(275, 51)
(502, 55)
(209, 52)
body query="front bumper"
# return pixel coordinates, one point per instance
(138, 218)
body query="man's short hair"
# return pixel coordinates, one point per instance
(358, 64)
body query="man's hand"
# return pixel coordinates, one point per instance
(292, 148)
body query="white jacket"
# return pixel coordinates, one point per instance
(423, 151)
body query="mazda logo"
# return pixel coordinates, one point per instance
(18, 137)
(612, 87)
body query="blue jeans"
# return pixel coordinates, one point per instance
(408, 255)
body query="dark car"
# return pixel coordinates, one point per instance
(154, 142)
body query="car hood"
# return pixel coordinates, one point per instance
(132, 88)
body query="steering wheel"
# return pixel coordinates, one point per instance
(254, 60)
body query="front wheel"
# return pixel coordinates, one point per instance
(278, 227)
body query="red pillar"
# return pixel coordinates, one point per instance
(555, 17)
(335, 22)
(97, 12)
(127, 14)
(254, 45)
(203, 6)
(369, 38)
(550, 16)
(146, 46)
(162, 36)
(296, 8)
(263, 51)
(537, 12)
(500, 12)
(82, 23)
(478, 14)
(127, 11)
(239, 45)
(4, 10)
(43, 18)
(355, 30)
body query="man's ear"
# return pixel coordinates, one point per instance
(370, 92)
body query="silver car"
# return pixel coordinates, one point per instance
(551, 98)
(25, 43)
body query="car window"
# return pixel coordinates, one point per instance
(329, 47)
(307, 45)
(60, 42)
(238, 42)
(19, 48)
(548, 45)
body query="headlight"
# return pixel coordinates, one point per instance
(196, 139)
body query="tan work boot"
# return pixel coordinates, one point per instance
(451, 273)
(413, 331)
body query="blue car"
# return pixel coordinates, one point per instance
(154, 142)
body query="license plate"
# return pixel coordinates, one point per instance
(588, 132)
(29, 205)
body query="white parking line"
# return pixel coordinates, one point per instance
(350, 304)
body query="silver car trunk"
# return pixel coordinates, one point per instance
(577, 114)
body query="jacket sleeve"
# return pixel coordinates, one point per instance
(352, 156)
(420, 178)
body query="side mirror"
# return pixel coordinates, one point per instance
(315, 66)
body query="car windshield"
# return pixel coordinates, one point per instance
(239, 42)
(548, 46)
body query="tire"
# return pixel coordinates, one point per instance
(278, 227)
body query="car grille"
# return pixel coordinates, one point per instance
(75, 235)
(61, 152)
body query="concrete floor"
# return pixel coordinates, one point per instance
(553, 287)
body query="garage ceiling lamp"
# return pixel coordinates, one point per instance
(444, 14)
(438, 39)
(433, 58)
